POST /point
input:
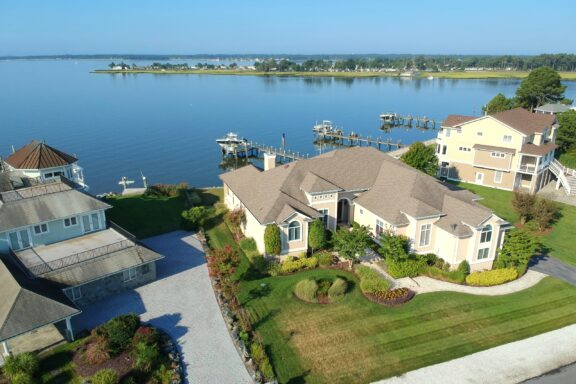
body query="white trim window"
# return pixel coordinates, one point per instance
(483, 253)
(498, 177)
(379, 227)
(324, 217)
(486, 234)
(294, 231)
(76, 293)
(425, 231)
(129, 274)
(507, 139)
(500, 155)
(70, 222)
(41, 229)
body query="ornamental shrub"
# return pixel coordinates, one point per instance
(105, 376)
(306, 290)
(272, 241)
(194, 218)
(325, 258)
(147, 356)
(97, 351)
(24, 364)
(405, 268)
(22, 378)
(337, 289)
(316, 235)
(147, 335)
(456, 276)
(493, 277)
(120, 331)
(394, 247)
(290, 266)
(371, 281)
(464, 268)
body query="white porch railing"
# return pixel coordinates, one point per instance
(564, 175)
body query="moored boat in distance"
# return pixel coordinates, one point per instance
(231, 141)
(324, 127)
(388, 117)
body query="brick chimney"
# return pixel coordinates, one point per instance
(269, 161)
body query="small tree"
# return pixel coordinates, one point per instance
(464, 268)
(272, 241)
(499, 103)
(195, 217)
(353, 242)
(422, 158)
(519, 246)
(394, 246)
(566, 138)
(545, 213)
(523, 203)
(316, 235)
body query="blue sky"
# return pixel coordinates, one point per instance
(296, 26)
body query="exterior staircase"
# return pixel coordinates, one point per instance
(566, 177)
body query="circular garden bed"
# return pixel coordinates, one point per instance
(321, 291)
(391, 297)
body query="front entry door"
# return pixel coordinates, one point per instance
(20, 239)
(479, 178)
(343, 211)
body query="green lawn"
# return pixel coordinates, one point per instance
(57, 367)
(568, 159)
(559, 241)
(357, 341)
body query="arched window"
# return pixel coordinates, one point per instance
(486, 235)
(294, 232)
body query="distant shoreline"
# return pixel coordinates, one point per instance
(568, 76)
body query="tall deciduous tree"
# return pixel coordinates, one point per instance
(272, 241)
(499, 103)
(422, 158)
(566, 138)
(541, 86)
(316, 235)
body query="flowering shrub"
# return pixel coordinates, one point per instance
(492, 277)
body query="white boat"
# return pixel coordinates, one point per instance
(231, 139)
(409, 74)
(388, 117)
(430, 77)
(324, 127)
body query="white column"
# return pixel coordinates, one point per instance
(6, 350)
(69, 330)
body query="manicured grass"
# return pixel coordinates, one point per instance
(559, 241)
(568, 159)
(357, 341)
(57, 367)
(146, 216)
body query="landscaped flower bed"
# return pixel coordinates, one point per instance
(391, 297)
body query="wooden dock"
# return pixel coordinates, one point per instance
(254, 149)
(339, 137)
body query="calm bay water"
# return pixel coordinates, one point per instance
(165, 125)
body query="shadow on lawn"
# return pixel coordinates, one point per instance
(170, 323)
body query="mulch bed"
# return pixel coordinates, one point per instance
(122, 363)
(391, 303)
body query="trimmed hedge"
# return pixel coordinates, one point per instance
(493, 277)
(456, 276)
(325, 258)
(371, 281)
(290, 266)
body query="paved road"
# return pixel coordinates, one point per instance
(564, 375)
(182, 303)
(554, 267)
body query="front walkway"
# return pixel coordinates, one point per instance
(424, 284)
(182, 303)
(508, 363)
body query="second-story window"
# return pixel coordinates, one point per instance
(70, 222)
(425, 230)
(448, 132)
(498, 154)
(507, 139)
(40, 229)
(486, 235)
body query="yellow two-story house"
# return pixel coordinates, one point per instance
(508, 150)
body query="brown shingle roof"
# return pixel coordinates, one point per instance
(455, 120)
(538, 150)
(38, 155)
(525, 121)
(390, 189)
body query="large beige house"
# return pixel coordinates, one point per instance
(371, 188)
(510, 150)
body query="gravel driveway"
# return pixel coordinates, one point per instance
(181, 302)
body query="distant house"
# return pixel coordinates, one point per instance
(55, 239)
(510, 150)
(39, 160)
(552, 109)
(369, 187)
